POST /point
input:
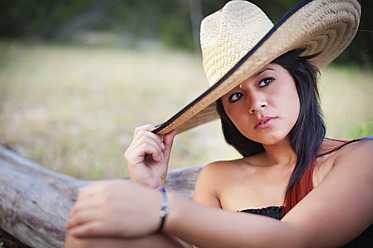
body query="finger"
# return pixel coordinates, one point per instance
(89, 196)
(148, 134)
(152, 150)
(138, 154)
(147, 127)
(81, 217)
(96, 189)
(85, 205)
(146, 137)
(146, 144)
(169, 138)
(93, 228)
(168, 141)
(141, 133)
(89, 191)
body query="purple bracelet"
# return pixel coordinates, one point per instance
(164, 211)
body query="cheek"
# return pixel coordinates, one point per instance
(293, 104)
(296, 109)
(289, 92)
(235, 114)
(230, 110)
(286, 100)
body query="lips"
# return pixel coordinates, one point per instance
(264, 122)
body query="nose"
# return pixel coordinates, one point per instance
(257, 102)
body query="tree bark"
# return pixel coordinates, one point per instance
(35, 202)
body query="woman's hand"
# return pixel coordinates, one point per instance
(115, 208)
(147, 157)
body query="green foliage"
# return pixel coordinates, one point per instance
(175, 27)
(168, 21)
(47, 21)
(2, 245)
(364, 129)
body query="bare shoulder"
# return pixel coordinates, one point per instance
(221, 172)
(215, 173)
(354, 162)
(357, 155)
(342, 203)
(218, 167)
(212, 179)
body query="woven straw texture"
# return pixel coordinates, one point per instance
(240, 39)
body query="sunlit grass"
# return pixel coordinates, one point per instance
(73, 109)
(347, 100)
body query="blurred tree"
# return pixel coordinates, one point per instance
(48, 20)
(174, 22)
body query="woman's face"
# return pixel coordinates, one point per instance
(264, 107)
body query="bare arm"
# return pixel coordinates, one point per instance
(335, 212)
(205, 191)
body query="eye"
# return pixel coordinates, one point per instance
(265, 82)
(235, 97)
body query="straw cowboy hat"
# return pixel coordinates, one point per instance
(239, 39)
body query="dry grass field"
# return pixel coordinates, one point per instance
(73, 109)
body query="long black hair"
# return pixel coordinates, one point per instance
(308, 132)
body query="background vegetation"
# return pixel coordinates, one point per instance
(173, 22)
(76, 77)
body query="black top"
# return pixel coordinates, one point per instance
(273, 212)
(365, 240)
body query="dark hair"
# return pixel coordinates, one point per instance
(307, 134)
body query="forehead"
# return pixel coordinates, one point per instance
(275, 68)
(269, 67)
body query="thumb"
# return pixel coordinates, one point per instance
(168, 141)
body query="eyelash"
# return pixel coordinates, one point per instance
(270, 79)
(267, 81)
(235, 94)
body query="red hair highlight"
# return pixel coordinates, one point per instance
(300, 188)
(305, 184)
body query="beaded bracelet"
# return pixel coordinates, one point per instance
(164, 211)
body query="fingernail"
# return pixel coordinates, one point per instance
(162, 146)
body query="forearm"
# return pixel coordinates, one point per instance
(154, 240)
(210, 227)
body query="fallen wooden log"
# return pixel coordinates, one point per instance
(35, 202)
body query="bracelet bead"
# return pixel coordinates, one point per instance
(164, 211)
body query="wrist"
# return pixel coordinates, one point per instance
(156, 184)
(149, 184)
(164, 210)
(159, 187)
(173, 216)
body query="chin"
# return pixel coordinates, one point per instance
(270, 140)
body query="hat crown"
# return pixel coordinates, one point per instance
(239, 40)
(227, 35)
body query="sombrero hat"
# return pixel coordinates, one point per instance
(239, 39)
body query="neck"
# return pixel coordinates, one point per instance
(281, 154)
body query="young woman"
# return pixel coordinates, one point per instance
(292, 188)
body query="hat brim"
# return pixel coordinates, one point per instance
(321, 27)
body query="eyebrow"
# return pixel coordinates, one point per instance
(261, 71)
